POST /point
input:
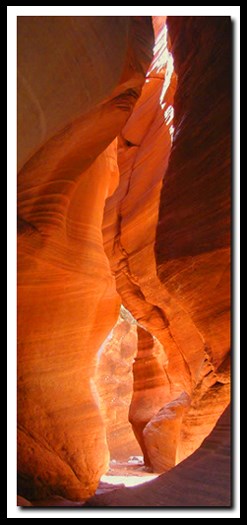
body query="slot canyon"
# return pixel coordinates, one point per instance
(124, 223)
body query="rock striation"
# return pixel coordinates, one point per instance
(79, 80)
(167, 232)
(124, 198)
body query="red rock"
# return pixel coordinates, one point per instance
(114, 382)
(162, 434)
(192, 241)
(57, 501)
(68, 64)
(67, 301)
(150, 386)
(169, 249)
(159, 245)
(23, 502)
(202, 480)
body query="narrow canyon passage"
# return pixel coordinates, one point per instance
(124, 154)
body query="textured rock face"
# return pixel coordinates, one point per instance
(202, 480)
(193, 232)
(192, 242)
(161, 435)
(149, 386)
(169, 249)
(67, 300)
(114, 382)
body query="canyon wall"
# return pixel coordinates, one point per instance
(193, 231)
(79, 78)
(167, 236)
(119, 203)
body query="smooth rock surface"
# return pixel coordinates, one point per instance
(67, 300)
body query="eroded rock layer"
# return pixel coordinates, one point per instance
(79, 80)
(169, 249)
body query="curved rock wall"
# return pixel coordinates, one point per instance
(163, 246)
(193, 232)
(166, 228)
(67, 300)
